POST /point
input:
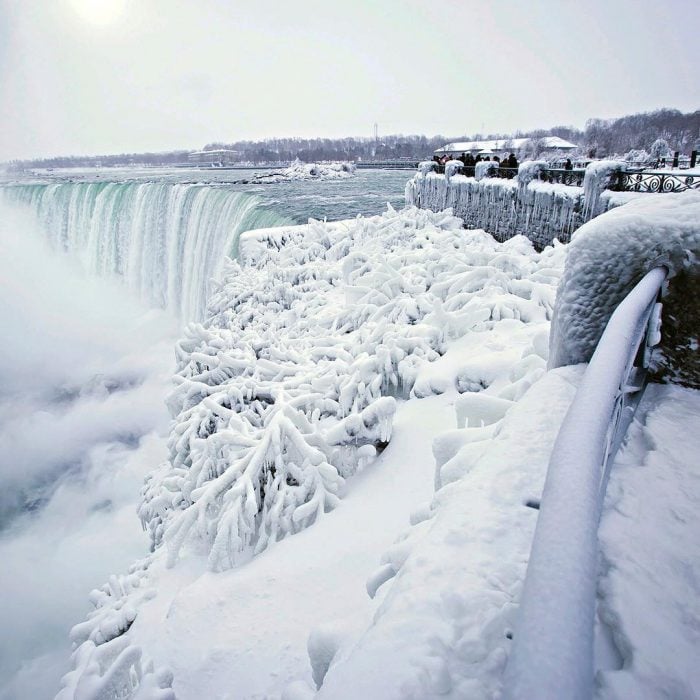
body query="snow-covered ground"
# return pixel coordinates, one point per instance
(650, 553)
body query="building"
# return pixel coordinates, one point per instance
(216, 158)
(496, 146)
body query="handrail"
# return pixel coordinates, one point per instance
(552, 652)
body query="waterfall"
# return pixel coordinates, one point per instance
(167, 241)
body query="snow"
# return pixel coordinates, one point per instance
(318, 336)
(307, 171)
(606, 258)
(553, 654)
(366, 409)
(442, 628)
(649, 591)
(595, 180)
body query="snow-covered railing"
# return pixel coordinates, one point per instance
(655, 181)
(552, 653)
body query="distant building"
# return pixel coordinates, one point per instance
(217, 158)
(549, 143)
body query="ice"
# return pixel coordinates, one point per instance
(542, 211)
(307, 171)
(596, 179)
(609, 255)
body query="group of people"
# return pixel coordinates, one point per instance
(508, 163)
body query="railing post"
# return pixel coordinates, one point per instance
(675, 158)
(693, 158)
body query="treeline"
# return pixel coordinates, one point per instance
(639, 131)
(147, 159)
(352, 149)
(599, 139)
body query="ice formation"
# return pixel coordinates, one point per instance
(105, 664)
(596, 179)
(542, 211)
(609, 255)
(307, 171)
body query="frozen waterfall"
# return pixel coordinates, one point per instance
(166, 240)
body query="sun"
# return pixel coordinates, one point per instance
(98, 12)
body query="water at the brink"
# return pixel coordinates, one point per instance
(96, 280)
(167, 238)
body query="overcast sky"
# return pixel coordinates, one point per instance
(109, 76)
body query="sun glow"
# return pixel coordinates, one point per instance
(98, 12)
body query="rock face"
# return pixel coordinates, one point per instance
(608, 256)
(679, 361)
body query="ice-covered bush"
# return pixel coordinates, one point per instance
(105, 663)
(289, 386)
(530, 170)
(609, 255)
(484, 168)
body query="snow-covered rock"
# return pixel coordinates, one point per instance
(307, 171)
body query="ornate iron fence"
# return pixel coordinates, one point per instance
(654, 181)
(627, 181)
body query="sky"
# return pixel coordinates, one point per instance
(86, 77)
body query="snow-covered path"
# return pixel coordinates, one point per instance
(650, 584)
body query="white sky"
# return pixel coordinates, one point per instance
(109, 76)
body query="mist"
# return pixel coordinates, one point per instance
(84, 369)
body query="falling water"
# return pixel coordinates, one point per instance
(166, 240)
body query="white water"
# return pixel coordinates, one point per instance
(167, 240)
(84, 368)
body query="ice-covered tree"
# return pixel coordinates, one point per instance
(660, 149)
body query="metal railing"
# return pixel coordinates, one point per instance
(626, 181)
(654, 181)
(552, 652)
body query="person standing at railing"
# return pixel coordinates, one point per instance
(568, 165)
